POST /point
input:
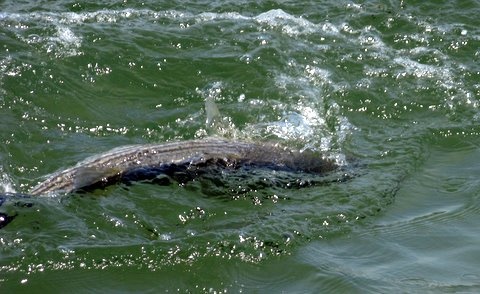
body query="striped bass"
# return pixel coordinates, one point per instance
(112, 166)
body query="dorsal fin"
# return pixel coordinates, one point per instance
(214, 119)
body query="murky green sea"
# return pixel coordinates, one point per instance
(388, 89)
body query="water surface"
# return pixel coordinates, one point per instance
(388, 89)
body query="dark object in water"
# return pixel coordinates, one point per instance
(5, 219)
(144, 161)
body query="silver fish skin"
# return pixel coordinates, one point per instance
(113, 164)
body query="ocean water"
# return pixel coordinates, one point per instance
(388, 89)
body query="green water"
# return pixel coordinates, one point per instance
(388, 89)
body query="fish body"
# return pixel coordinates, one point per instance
(111, 166)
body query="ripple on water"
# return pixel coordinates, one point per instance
(427, 239)
(374, 82)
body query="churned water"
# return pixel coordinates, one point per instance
(388, 89)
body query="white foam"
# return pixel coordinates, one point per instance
(417, 69)
(64, 43)
(275, 18)
(211, 16)
(6, 183)
(317, 74)
(67, 41)
(292, 126)
(61, 41)
(307, 119)
(288, 23)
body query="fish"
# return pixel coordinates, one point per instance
(142, 161)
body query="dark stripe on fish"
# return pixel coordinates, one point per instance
(143, 161)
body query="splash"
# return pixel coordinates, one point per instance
(6, 183)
